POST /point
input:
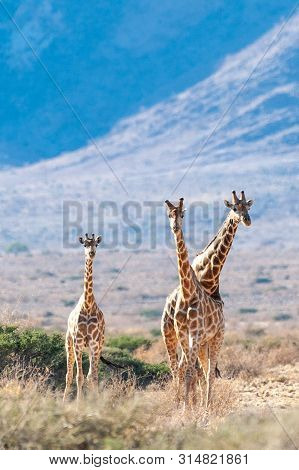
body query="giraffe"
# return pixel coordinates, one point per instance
(86, 326)
(198, 318)
(207, 266)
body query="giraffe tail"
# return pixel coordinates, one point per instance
(111, 364)
(217, 372)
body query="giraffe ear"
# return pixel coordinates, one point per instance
(81, 240)
(249, 203)
(98, 239)
(228, 204)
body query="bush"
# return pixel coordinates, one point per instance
(282, 317)
(17, 247)
(155, 332)
(248, 310)
(69, 303)
(263, 280)
(129, 343)
(144, 373)
(35, 347)
(46, 351)
(151, 313)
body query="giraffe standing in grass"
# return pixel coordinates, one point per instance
(207, 266)
(198, 318)
(86, 327)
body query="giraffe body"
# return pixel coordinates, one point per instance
(86, 327)
(198, 320)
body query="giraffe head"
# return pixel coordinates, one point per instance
(175, 214)
(240, 207)
(90, 245)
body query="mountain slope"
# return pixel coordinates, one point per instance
(247, 139)
(109, 58)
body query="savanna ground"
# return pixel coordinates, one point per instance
(255, 404)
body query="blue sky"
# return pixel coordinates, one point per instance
(110, 58)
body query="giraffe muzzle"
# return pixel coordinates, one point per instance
(246, 221)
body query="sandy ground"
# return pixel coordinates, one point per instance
(260, 288)
(278, 389)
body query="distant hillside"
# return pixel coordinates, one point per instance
(110, 58)
(252, 144)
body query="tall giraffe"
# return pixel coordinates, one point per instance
(198, 318)
(207, 266)
(86, 326)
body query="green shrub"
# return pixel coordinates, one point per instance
(69, 303)
(263, 280)
(47, 351)
(144, 373)
(74, 277)
(248, 310)
(129, 343)
(155, 332)
(49, 314)
(282, 317)
(151, 313)
(17, 247)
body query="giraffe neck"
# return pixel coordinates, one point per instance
(209, 263)
(88, 284)
(186, 274)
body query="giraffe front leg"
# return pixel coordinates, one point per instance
(194, 327)
(80, 375)
(70, 365)
(183, 340)
(191, 375)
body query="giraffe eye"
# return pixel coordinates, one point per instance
(235, 209)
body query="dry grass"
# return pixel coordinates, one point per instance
(247, 357)
(123, 416)
(9, 316)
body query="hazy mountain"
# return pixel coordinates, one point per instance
(242, 126)
(110, 58)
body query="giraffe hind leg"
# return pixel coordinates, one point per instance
(170, 341)
(95, 350)
(93, 377)
(204, 371)
(214, 348)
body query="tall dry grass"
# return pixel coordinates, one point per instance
(123, 416)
